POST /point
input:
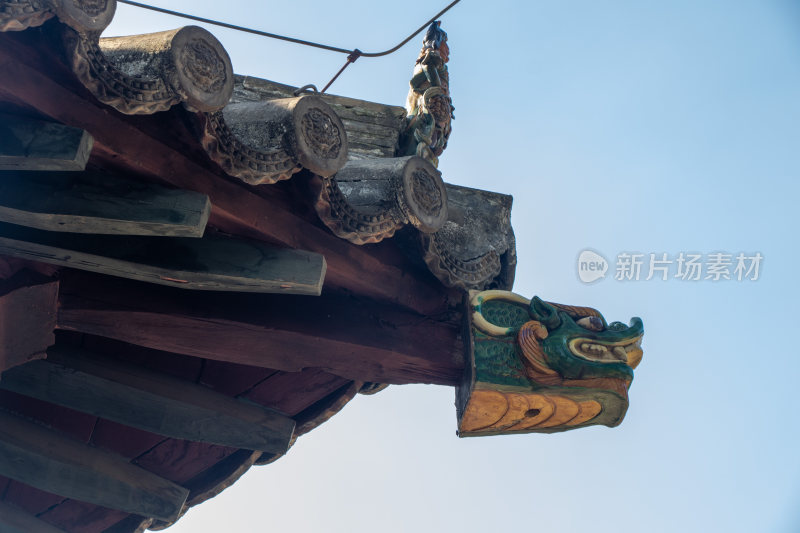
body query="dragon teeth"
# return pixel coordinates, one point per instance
(593, 348)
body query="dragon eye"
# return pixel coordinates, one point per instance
(592, 323)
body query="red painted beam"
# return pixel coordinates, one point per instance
(356, 339)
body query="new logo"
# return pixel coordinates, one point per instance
(591, 266)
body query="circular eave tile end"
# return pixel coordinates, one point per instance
(320, 136)
(203, 69)
(86, 16)
(424, 195)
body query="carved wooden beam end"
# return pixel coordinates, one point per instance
(144, 74)
(369, 199)
(84, 16)
(475, 248)
(266, 141)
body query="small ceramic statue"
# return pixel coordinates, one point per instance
(429, 107)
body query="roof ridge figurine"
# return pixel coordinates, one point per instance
(429, 107)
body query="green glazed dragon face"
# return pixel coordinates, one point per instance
(536, 366)
(580, 344)
(572, 342)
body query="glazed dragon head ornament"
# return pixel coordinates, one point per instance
(537, 366)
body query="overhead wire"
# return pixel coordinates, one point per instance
(352, 55)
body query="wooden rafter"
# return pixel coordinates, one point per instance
(211, 263)
(28, 144)
(15, 520)
(54, 463)
(148, 400)
(83, 202)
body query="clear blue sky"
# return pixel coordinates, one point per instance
(618, 126)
